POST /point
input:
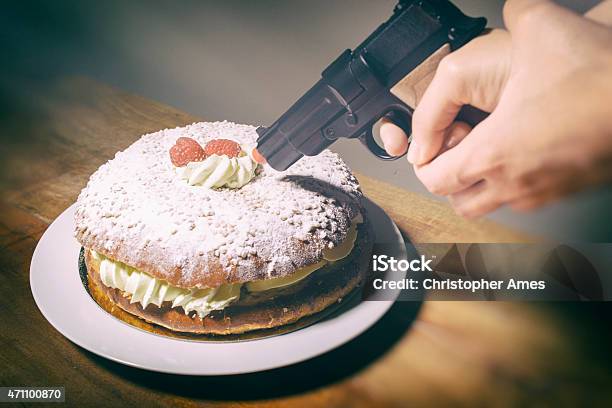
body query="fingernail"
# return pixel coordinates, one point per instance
(413, 153)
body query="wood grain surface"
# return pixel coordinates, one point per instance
(436, 353)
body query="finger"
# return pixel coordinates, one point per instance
(393, 137)
(516, 11)
(475, 74)
(525, 205)
(533, 201)
(462, 166)
(450, 172)
(601, 13)
(477, 200)
(454, 135)
(436, 111)
(395, 140)
(543, 195)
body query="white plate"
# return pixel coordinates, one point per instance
(62, 299)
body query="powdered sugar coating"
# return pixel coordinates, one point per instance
(137, 210)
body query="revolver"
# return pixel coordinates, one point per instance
(384, 76)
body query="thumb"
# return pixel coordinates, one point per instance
(473, 75)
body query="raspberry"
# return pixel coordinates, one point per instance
(186, 150)
(222, 147)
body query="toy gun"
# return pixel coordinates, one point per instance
(385, 76)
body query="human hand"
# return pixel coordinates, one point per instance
(547, 82)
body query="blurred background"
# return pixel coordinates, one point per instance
(244, 61)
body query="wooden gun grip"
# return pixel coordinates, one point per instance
(411, 88)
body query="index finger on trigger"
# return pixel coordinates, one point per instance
(393, 137)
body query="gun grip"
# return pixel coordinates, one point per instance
(471, 115)
(411, 88)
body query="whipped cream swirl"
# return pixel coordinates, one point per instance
(146, 289)
(219, 171)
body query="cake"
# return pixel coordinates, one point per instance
(185, 230)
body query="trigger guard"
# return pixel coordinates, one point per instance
(367, 139)
(400, 119)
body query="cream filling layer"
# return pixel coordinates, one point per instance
(146, 290)
(329, 255)
(219, 171)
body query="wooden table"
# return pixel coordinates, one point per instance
(435, 353)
